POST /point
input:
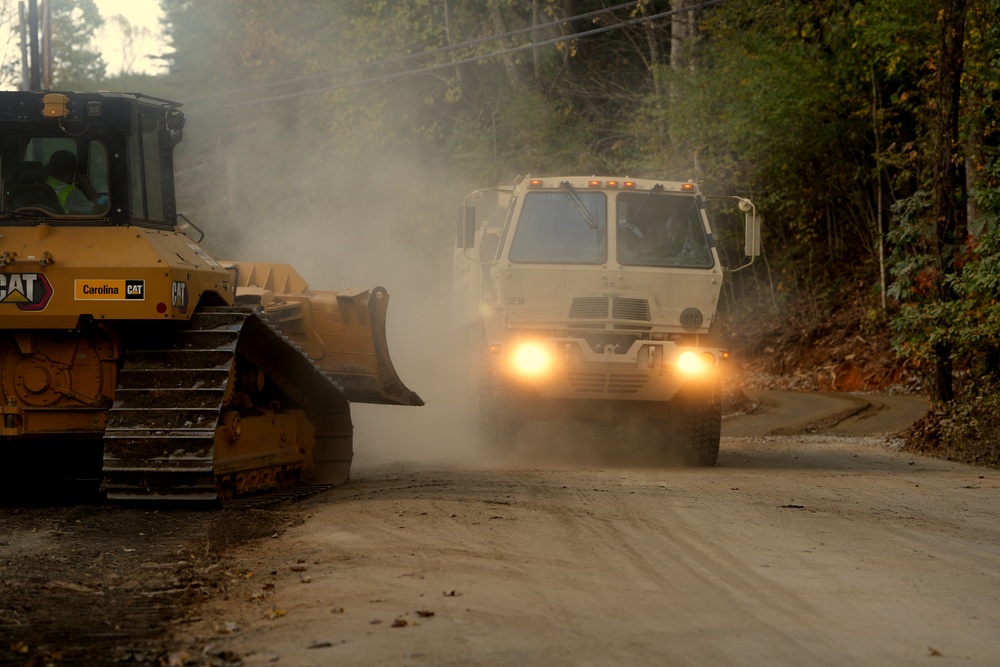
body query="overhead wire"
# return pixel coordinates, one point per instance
(447, 65)
(414, 56)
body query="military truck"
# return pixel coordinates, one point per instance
(595, 298)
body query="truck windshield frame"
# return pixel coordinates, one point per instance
(661, 229)
(552, 229)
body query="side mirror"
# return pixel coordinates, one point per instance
(751, 230)
(466, 227)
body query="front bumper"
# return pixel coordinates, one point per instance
(648, 371)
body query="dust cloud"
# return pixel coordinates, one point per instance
(363, 219)
(342, 222)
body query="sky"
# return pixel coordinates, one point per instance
(141, 14)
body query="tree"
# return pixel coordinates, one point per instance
(130, 35)
(74, 62)
(949, 195)
(10, 48)
(935, 249)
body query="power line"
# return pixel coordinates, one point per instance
(453, 63)
(414, 56)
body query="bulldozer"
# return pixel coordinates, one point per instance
(132, 357)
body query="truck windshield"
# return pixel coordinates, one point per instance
(561, 228)
(661, 230)
(53, 176)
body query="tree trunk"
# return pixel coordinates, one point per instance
(652, 34)
(508, 59)
(950, 221)
(683, 26)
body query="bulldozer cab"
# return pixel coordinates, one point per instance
(88, 158)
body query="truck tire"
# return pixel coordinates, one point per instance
(497, 425)
(702, 426)
(700, 422)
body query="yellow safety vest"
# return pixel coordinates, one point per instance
(62, 189)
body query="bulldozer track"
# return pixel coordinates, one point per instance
(270, 500)
(172, 389)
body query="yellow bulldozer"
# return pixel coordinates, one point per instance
(128, 354)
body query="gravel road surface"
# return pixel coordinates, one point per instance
(813, 542)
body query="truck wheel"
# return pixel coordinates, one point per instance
(700, 421)
(497, 426)
(703, 427)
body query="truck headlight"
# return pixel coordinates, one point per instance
(530, 359)
(690, 362)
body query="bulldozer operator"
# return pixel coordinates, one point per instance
(76, 194)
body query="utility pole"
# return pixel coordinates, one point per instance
(47, 44)
(34, 77)
(23, 30)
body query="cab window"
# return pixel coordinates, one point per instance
(147, 171)
(54, 175)
(661, 230)
(561, 228)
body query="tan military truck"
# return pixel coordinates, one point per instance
(595, 298)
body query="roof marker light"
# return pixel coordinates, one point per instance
(55, 105)
(687, 187)
(594, 184)
(628, 184)
(611, 184)
(535, 183)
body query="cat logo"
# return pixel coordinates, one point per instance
(179, 296)
(29, 291)
(110, 290)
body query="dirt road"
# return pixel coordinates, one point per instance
(819, 548)
(813, 542)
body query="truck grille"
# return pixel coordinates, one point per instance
(630, 309)
(596, 307)
(589, 308)
(610, 383)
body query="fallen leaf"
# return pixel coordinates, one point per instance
(400, 622)
(69, 586)
(424, 613)
(933, 651)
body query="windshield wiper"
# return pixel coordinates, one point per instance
(633, 219)
(578, 204)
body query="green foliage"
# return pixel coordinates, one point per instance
(968, 322)
(74, 59)
(969, 428)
